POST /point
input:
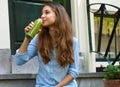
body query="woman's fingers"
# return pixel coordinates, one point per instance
(31, 24)
(29, 27)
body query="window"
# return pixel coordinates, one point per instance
(108, 23)
(106, 31)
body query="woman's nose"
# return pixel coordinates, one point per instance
(42, 16)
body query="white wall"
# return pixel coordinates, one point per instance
(79, 21)
(4, 25)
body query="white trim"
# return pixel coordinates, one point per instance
(4, 25)
(80, 24)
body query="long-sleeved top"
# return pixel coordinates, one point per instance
(49, 75)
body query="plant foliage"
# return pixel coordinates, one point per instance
(112, 72)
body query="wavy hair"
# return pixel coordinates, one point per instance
(63, 37)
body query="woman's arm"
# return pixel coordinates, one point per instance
(26, 41)
(27, 51)
(28, 48)
(24, 45)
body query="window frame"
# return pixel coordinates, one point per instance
(90, 36)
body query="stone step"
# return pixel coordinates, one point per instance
(28, 80)
(8, 65)
(17, 80)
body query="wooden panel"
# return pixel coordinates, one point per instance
(21, 13)
(25, 12)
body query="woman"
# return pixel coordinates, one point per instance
(55, 46)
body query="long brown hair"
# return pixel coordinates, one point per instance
(63, 37)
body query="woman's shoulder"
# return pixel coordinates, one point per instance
(75, 43)
(75, 40)
(36, 36)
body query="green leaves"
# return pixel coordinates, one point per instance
(112, 72)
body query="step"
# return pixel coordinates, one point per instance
(28, 80)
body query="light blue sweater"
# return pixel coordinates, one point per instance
(49, 75)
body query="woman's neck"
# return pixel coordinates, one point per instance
(52, 35)
(52, 32)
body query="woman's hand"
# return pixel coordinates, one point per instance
(29, 27)
(68, 78)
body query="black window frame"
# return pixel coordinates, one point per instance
(104, 59)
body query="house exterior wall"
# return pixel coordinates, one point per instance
(80, 25)
(79, 21)
(5, 65)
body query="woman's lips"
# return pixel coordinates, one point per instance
(43, 21)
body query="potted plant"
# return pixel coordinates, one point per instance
(112, 76)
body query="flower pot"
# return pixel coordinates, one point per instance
(112, 83)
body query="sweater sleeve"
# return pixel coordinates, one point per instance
(74, 68)
(29, 54)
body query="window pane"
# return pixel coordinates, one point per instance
(107, 28)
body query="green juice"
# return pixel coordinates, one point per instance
(35, 29)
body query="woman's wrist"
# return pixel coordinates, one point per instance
(27, 37)
(24, 45)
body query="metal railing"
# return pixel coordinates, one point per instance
(102, 12)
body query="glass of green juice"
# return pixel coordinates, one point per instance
(35, 29)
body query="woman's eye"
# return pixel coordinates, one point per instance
(47, 12)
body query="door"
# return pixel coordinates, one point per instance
(21, 13)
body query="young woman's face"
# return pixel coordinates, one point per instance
(48, 16)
